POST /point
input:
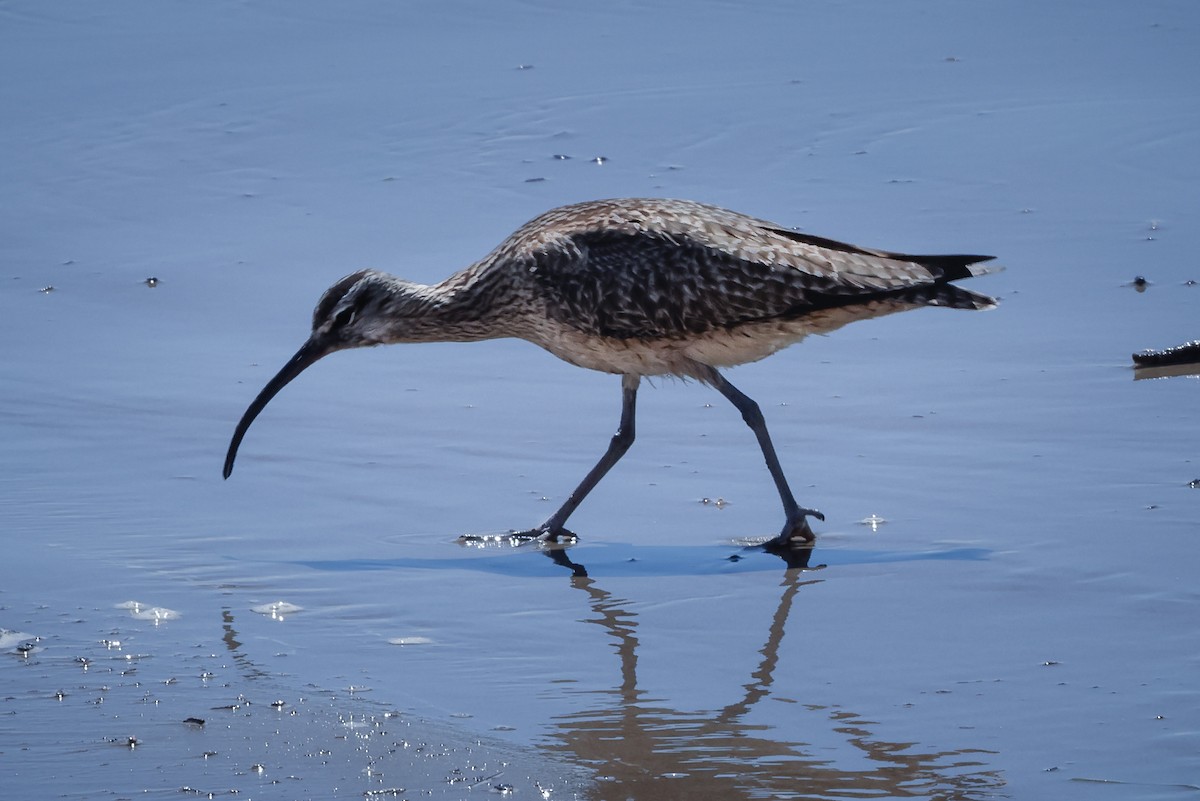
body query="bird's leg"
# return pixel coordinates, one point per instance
(796, 526)
(553, 528)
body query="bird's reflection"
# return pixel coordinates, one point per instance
(643, 749)
(233, 644)
(558, 555)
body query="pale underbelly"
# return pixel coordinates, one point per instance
(688, 355)
(682, 356)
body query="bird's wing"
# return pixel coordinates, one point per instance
(631, 282)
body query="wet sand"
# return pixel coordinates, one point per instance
(1019, 622)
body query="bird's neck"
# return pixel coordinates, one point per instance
(466, 307)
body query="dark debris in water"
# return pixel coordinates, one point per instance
(1187, 353)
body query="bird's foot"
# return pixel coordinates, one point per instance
(511, 539)
(797, 531)
(546, 534)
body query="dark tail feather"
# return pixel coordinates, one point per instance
(952, 267)
(950, 296)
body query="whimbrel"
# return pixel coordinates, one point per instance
(639, 287)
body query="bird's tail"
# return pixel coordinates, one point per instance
(952, 268)
(949, 295)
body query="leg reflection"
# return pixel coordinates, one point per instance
(636, 741)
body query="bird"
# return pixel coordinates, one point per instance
(640, 287)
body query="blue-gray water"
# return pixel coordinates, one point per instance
(1023, 623)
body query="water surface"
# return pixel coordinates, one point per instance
(1021, 625)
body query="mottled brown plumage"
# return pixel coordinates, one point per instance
(640, 287)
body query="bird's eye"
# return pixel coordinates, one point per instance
(343, 318)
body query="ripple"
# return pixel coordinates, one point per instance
(141, 611)
(277, 610)
(11, 639)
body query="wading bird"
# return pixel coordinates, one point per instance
(639, 287)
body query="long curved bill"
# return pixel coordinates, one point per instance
(311, 351)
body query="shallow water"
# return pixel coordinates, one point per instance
(1022, 624)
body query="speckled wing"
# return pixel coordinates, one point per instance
(629, 283)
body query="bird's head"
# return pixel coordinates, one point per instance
(364, 308)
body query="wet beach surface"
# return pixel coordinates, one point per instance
(1000, 604)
